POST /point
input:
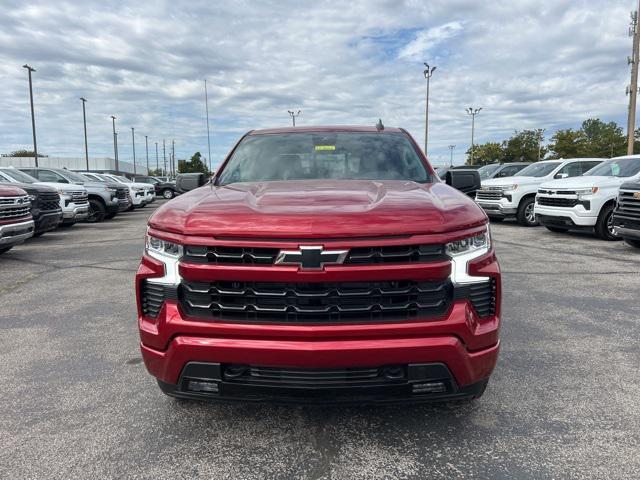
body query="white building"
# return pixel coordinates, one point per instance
(72, 163)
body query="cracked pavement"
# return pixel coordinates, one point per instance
(78, 403)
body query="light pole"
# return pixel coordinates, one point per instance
(540, 134)
(428, 72)
(33, 118)
(294, 115)
(451, 147)
(157, 161)
(84, 119)
(115, 142)
(133, 143)
(173, 156)
(164, 158)
(473, 112)
(146, 147)
(206, 104)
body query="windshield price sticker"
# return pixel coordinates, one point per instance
(325, 147)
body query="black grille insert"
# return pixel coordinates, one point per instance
(153, 295)
(483, 296)
(628, 207)
(315, 302)
(558, 202)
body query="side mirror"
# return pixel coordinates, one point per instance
(189, 181)
(465, 180)
(561, 175)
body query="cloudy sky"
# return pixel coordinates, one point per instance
(529, 64)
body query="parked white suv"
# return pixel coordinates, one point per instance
(586, 202)
(515, 196)
(141, 193)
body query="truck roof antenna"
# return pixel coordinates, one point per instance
(379, 125)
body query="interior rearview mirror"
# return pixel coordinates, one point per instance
(467, 181)
(189, 181)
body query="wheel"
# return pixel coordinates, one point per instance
(604, 225)
(111, 215)
(96, 211)
(633, 243)
(526, 215)
(168, 193)
(5, 249)
(557, 229)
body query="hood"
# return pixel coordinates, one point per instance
(574, 183)
(64, 187)
(8, 190)
(500, 182)
(31, 188)
(319, 209)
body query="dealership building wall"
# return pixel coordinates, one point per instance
(72, 163)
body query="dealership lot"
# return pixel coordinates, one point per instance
(77, 401)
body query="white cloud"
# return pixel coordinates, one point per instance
(426, 41)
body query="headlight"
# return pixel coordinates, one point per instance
(162, 247)
(464, 250)
(64, 195)
(585, 192)
(510, 188)
(137, 189)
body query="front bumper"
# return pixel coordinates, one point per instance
(47, 221)
(501, 208)
(574, 217)
(75, 213)
(14, 233)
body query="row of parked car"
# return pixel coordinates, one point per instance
(593, 194)
(34, 200)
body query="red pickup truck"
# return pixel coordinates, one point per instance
(16, 222)
(323, 265)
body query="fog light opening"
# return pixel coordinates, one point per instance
(429, 387)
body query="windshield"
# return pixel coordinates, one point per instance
(486, 171)
(122, 179)
(313, 156)
(19, 176)
(621, 167)
(76, 177)
(538, 169)
(93, 177)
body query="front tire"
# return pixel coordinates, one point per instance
(96, 211)
(633, 243)
(168, 193)
(526, 215)
(604, 225)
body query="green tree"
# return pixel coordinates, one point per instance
(490, 152)
(524, 146)
(25, 153)
(567, 143)
(156, 173)
(195, 165)
(602, 139)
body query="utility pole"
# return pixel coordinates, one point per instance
(294, 115)
(133, 143)
(428, 72)
(451, 147)
(84, 119)
(115, 143)
(164, 158)
(173, 155)
(146, 147)
(157, 161)
(473, 112)
(33, 117)
(634, 32)
(206, 104)
(540, 134)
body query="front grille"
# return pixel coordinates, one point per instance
(315, 302)
(79, 197)
(325, 377)
(488, 194)
(48, 201)
(121, 193)
(558, 202)
(14, 207)
(356, 256)
(483, 296)
(628, 207)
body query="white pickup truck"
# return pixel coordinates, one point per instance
(515, 196)
(586, 202)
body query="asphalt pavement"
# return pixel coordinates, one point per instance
(78, 403)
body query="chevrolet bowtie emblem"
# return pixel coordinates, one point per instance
(636, 195)
(311, 257)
